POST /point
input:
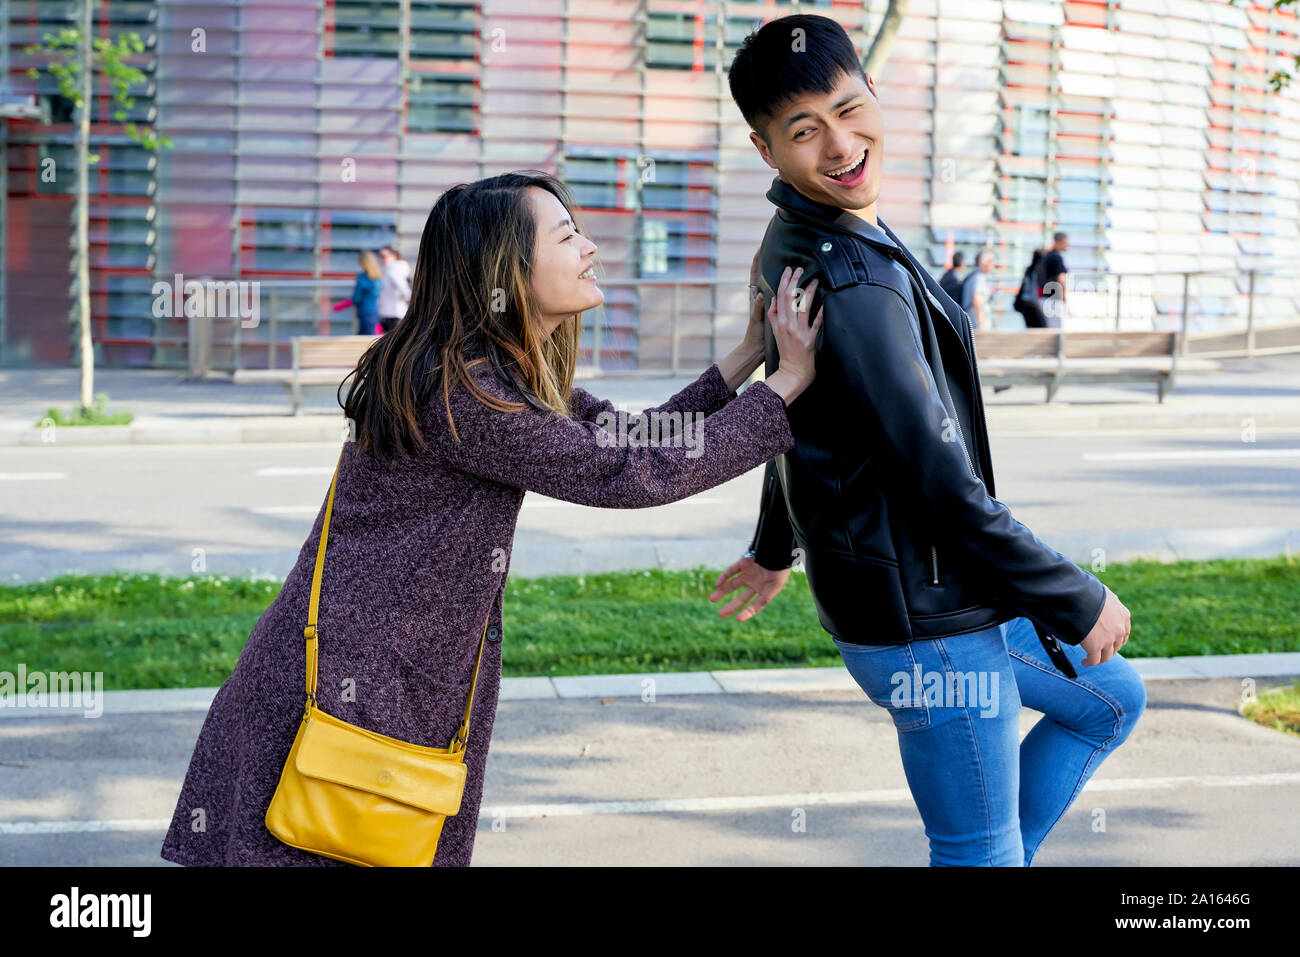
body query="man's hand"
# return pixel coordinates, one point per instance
(753, 580)
(1109, 633)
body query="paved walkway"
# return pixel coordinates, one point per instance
(1264, 391)
(688, 779)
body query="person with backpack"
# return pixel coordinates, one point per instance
(1029, 298)
(950, 282)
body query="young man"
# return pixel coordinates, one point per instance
(1054, 280)
(921, 576)
(950, 281)
(975, 294)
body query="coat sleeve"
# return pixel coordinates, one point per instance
(874, 356)
(706, 395)
(773, 543)
(581, 462)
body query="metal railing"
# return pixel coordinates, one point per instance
(1096, 301)
(1229, 302)
(203, 344)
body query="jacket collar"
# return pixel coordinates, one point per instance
(784, 196)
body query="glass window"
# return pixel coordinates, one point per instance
(368, 28)
(442, 104)
(441, 31)
(278, 240)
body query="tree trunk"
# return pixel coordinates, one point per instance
(83, 208)
(880, 46)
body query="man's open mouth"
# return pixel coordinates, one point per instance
(850, 175)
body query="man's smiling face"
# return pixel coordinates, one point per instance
(816, 134)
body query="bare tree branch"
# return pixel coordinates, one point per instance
(884, 40)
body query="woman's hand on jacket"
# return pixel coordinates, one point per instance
(796, 339)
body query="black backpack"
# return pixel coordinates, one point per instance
(968, 290)
(1032, 281)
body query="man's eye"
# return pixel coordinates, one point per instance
(848, 111)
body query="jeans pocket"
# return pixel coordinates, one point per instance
(891, 678)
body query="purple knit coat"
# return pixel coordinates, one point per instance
(417, 558)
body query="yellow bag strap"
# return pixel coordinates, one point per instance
(312, 633)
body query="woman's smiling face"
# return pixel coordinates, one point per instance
(817, 134)
(564, 275)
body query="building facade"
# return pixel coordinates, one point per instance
(307, 130)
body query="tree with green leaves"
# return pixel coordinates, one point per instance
(1279, 79)
(74, 57)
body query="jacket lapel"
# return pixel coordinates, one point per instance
(785, 196)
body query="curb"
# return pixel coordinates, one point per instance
(671, 684)
(330, 429)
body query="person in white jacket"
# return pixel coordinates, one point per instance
(395, 293)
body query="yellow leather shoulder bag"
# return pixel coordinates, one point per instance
(357, 795)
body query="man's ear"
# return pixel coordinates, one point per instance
(871, 85)
(763, 151)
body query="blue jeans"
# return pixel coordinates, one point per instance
(366, 322)
(986, 797)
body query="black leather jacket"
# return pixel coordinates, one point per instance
(888, 491)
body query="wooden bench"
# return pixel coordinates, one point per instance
(320, 364)
(1048, 357)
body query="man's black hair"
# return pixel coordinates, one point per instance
(1057, 237)
(958, 258)
(777, 63)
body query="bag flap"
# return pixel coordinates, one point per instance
(349, 756)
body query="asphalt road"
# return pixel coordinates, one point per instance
(248, 507)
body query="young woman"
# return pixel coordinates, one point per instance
(395, 293)
(365, 293)
(457, 411)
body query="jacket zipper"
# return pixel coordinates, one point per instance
(962, 436)
(979, 396)
(927, 297)
(934, 564)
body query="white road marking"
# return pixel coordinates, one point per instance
(678, 805)
(1191, 454)
(756, 802)
(279, 470)
(83, 827)
(31, 476)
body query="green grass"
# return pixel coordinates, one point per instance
(145, 631)
(95, 415)
(1277, 708)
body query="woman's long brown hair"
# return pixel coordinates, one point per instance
(471, 302)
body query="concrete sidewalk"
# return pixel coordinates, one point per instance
(667, 684)
(1263, 392)
(704, 780)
